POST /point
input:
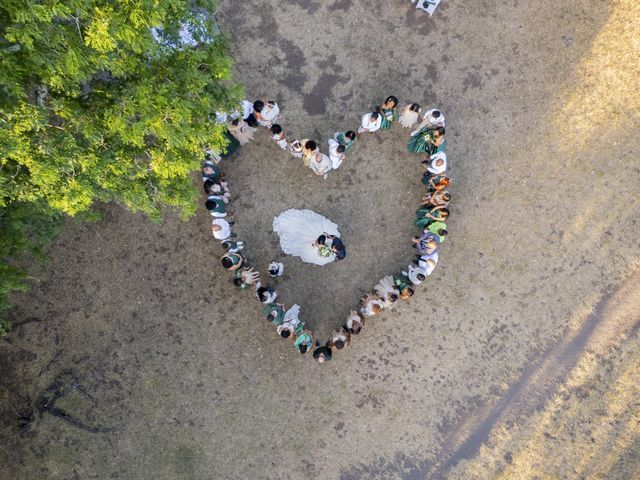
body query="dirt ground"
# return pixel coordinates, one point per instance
(134, 356)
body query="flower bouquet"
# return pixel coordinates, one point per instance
(324, 251)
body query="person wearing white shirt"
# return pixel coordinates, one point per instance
(437, 163)
(221, 229)
(371, 122)
(427, 263)
(432, 118)
(336, 153)
(279, 137)
(269, 114)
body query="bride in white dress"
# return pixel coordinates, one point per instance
(299, 230)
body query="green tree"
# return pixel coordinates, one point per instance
(103, 101)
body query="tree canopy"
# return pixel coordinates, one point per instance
(103, 101)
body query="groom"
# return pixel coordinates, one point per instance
(334, 243)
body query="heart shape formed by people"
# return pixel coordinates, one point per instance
(372, 197)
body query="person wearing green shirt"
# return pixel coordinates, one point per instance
(303, 341)
(347, 139)
(274, 313)
(389, 114)
(403, 284)
(440, 229)
(426, 216)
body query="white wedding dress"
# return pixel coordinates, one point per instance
(299, 229)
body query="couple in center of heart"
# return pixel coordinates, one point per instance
(310, 236)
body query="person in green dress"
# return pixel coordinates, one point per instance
(347, 139)
(427, 140)
(404, 286)
(426, 216)
(274, 313)
(388, 110)
(304, 341)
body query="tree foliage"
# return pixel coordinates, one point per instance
(104, 101)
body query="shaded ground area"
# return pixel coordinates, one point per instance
(136, 358)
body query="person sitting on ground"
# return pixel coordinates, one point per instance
(304, 341)
(279, 137)
(216, 207)
(436, 183)
(415, 274)
(336, 153)
(354, 323)
(436, 199)
(266, 294)
(232, 261)
(403, 284)
(295, 148)
(386, 290)
(241, 131)
(339, 339)
(437, 163)
(427, 263)
(322, 353)
(440, 229)
(347, 139)
(291, 324)
(371, 305)
(274, 313)
(409, 115)
(221, 229)
(371, 122)
(275, 269)
(309, 149)
(268, 114)
(210, 171)
(246, 277)
(427, 243)
(215, 188)
(388, 111)
(426, 216)
(428, 140)
(231, 246)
